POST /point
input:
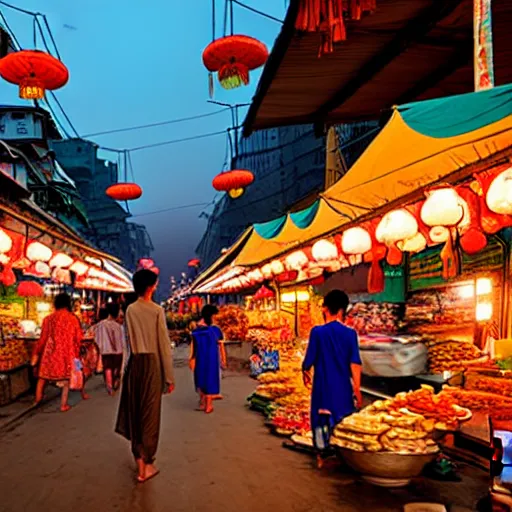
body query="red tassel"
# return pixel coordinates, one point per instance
(376, 281)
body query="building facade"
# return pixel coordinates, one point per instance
(289, 167)
(109, 228)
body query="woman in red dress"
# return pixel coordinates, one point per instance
(57, 348)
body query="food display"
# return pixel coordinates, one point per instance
(289, 420)
(497, 406)
(9, 328)
(233, 322)
(270, 330)
(453, 356)
(13, 353)
(404, 424)
(498, 384)
(374, 317)
(442, 408)
(398, 432)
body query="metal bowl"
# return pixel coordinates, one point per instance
(386, 468)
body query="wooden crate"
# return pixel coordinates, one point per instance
(13, 384)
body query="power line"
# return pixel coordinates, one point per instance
(173, 208)
(161, 123)
(256, 11)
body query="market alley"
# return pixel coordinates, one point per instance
(226, 461)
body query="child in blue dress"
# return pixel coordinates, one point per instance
(206, 358)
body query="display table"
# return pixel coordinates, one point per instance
(14, 383)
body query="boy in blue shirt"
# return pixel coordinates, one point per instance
(333, 352)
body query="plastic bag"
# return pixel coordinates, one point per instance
(76, 381)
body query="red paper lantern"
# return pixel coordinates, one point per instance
(472, 238)
(146, 263)
(232, 57)
(34, 71)
(233, 182)
(124, 191)
(264, 293)
(7, 277)
(195, 262)
(30, 289)
(287, 276)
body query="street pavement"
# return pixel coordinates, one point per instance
(226, 461)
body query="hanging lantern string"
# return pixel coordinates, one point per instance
(224, 32)
(232, 26)
(130, 164)
(256, 11)
(213, 20)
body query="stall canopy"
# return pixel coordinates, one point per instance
(423, 143)
(403, 51)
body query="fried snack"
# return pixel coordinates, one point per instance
(348, 435)
(406, 434)
(350, 445)
(359, 424)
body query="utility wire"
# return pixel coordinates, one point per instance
(256, 11)
(173, 208)
(162, 123)
(19, 9)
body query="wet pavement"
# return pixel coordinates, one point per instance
(225, 461)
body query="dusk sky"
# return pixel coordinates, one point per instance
(131, 63)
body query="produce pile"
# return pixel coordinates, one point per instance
(389, 432)
(233, 322)
(453, 356)
(498, 385)
(404, 424)
(497, 406)
(371, 317)
(13, 354)
(9, 328)
(288, 420)
(442, 408)
(270, 330)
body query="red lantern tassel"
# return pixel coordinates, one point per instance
(233, 75)
(376, 280)
(210, 85)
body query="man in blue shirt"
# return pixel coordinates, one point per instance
(333, 352)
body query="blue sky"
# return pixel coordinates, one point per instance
(134, 62)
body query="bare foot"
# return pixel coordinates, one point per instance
(208, 410)
(65, 408)
(150, 472)
(85, 396)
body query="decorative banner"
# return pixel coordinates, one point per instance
(483, 57)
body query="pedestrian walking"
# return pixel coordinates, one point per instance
(333, 353)
(57, 352)
(109, 336)
(149, 373)
(207, 356)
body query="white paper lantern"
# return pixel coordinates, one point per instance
(79, 268)
(277, 267)
(356, 241)
(296, 260)
(439, 234)
(323, 250)
(396, 225)
(61, 260)
(443, 207)
(36, 251)
(5, 242)
(42, 269)
(414, 244)
(499, 195)
(256, 276)
(266, 270)
(4, 259)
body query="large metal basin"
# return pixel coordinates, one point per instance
(385, 468)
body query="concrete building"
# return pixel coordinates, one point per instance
(109, 226)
